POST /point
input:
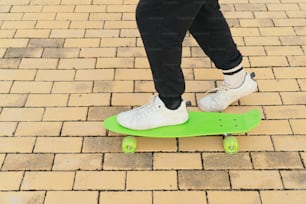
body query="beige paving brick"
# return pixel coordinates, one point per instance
(97, 74)
(77, 63)
(285, 112)
(278, 85)
(133, 74)
(98, 52)
(295, 98)
(65, 114)
(63, 197)
(276, 160)
(255, 143)
(118, 42)
(7, 33)
(90, 42)
(119, 24)
(261, 98)
(86, 24)
(131, 51)
(68, 162)
(119, 161)
(2, 157)
(285, 51)
(6, 86)
(102, 33)
(202, 180)
(151, 180)
(16, 144)
(58, 145)
(248, 7)
(298, 126)
(282, 197)
(5, 43)
(177, 161)
(55, 75)
(28, 162)
(100, 113)
(255, 180)
(72, 16)
(283, 7)
(256, 22)
(67, 33)
(72, 87)
(38, 129)
(237, 197)
(52, 24)
(47, 181)
(144, 86)
(45, 43)
(7, 128)
(277, 31)
(113, 86)
(294, 179)
(61, 52)
(94, 99)
(83, 129)
(207, 143)
(38, 16)
(12, 100)
(69, 2)
(90, 8)
(31, 87)
(294, 72)
(252, 51)
(15, 2)
(122, 197)
(115, 62)
(255, 41)
(224, 161)
(32, 33)
(58, 8)
(21, 114)
(289, 143)
(17, 24)
(36, 197)
(289, 22)
(128, 99)
(291, 40)
(100, 180)
(105, 16)
(261, 61)
(10, 180)
(42, 63)
(297, 60)
(47, 100)
(23, 52)
(156, 145)
(179, 197)
(9, 63)
(272, 127)
(101, 144)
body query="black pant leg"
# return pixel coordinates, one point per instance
(213, 34)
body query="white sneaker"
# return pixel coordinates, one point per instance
(152, 115)
(223, 96)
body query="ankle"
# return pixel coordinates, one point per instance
(234, 79)
(171, 103)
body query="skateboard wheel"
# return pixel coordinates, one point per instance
(129, 145)
(231, 145)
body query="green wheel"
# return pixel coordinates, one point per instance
(129, 145)
(231, 145)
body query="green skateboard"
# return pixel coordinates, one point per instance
(199, 124)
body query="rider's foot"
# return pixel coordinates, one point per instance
(221, 97)
(152, 115)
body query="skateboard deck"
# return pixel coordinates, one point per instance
(199, 124)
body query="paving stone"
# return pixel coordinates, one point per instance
(219, 161)
(238, 197)
(120, 161)
(63, 162)
(294, 179)
(282, 197)
(180, 197)
(63, 197)
(16, 144)
(35, 197)
(28, 162)
(122, 197)
(177, 161)
(203, 180)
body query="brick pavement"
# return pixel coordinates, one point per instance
(65, 65)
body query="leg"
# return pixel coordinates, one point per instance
(163, 25)
(212, 32)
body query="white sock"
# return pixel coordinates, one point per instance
(233, 78)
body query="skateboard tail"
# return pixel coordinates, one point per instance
(252, 119)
